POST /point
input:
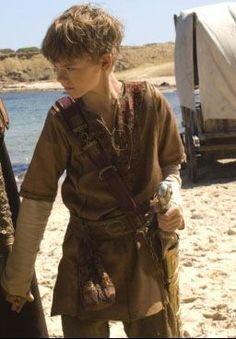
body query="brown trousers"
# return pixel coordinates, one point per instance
(149, 327)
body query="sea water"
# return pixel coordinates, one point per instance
(28, 111)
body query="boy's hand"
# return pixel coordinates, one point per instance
(171, 220)
(18, 302)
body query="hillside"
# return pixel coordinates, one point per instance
(149, 60)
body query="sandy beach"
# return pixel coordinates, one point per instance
(208, 269)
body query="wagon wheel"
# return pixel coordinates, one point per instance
(191, 157)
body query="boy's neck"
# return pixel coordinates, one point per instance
(102, 100)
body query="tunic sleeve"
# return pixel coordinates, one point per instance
(48, 162)
(31, 223)
(170, 146)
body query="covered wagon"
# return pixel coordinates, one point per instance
(205, 68)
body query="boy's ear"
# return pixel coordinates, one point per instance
(107, 61)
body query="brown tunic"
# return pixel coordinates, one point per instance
(145, 139)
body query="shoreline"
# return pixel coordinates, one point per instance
(31, 86)
(163, 83)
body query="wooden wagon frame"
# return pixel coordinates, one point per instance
(205, 68)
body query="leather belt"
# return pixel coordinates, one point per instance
(108, 228)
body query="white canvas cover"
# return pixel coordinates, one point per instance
(216, 55)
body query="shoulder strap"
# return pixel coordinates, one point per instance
(76, 120)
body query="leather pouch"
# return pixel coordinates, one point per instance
(96, 288)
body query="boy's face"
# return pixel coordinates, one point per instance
(78, 77)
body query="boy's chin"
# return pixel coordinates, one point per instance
(74, 94)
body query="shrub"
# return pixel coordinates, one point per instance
(28, 50)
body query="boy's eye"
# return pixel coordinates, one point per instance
(67, 68)
(70, 68)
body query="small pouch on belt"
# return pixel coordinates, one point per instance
(96, 288)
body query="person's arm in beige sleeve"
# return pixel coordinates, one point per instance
(38, 190)
(171, 174)
(174, 218)
(31, 223)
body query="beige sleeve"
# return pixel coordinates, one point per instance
(31, 223)
(171, 175)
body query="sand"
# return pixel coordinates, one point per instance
(208, 246)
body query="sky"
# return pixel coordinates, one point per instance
(23, 23)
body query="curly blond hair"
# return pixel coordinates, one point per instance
(82, 31)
